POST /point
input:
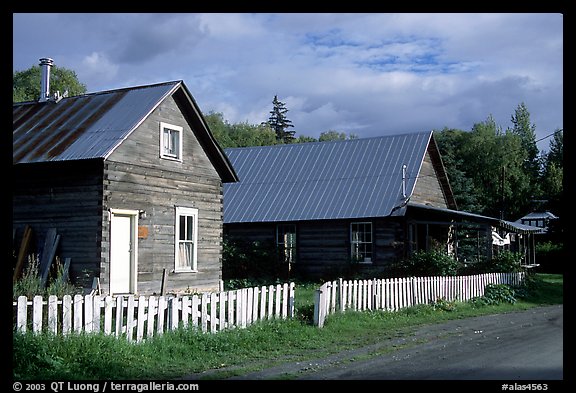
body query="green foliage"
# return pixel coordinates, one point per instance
(498, 173)
(428, 263)
(441, 304)
(332, 135)
(26, 84)
(495, 294)
(504, 262)
(239, 134)
(30, 284)
(450, 143)
(248, 264)
(548, 247)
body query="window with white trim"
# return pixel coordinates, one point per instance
(361, 242)
(186, 239)
(171, 141)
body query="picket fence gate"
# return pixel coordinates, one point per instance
(395, 293)
(141, 317)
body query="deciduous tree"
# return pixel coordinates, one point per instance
(26, 84)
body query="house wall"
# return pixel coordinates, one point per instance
(136, 178)
(323, 246)
(428, 190)
(66, 196)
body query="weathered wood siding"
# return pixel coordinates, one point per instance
(136, 178)
(66, 196)
(323, 246)
(428, 189)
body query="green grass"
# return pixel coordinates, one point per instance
(234, 352)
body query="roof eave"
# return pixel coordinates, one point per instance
(206, 138)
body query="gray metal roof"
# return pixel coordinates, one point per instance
(538, 216)
(82, 127)
(497, 222)
(323, 180)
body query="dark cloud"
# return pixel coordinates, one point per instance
(149, 36)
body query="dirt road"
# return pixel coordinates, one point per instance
(515, 346)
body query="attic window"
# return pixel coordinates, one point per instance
(170, 141)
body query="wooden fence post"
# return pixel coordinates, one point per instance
(318, 304)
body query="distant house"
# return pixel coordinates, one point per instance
(539, 219)
(130, 179)
(364, 203)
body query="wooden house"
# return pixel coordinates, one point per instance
(361, 203)
(541, 219)
(131, 180)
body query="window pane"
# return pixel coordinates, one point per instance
(166, 141)
(173, 142)
(286, 243)
(189, 228)
(185, 255)
(182, 235)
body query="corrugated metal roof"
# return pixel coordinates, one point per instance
(82, 127)
(538, 216)
(509, 225)
(323, 180)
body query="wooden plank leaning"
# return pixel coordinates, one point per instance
(48, 253)
(22, 253)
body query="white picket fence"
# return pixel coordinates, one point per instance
(395, 293)
(141, 317)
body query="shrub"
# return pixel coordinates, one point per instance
(250, 263)
(30, 284)
(441, 304)
(495, 294)
(428, 263)
(505, 262)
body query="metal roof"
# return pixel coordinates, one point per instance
(82, 127)
(323, 180)
(538, 216)
(473, 217)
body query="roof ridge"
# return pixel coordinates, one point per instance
(285, 145)
(101, 92)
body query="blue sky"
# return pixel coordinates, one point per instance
(368, 74)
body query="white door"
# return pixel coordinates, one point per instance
(122, 252)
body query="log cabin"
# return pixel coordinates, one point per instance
(131, 180)
(352, 207)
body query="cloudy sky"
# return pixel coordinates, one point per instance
(368, 74)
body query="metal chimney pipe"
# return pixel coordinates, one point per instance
(45, 64)
(404, 181)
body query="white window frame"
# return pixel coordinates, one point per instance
(360, 243)
(178, 131)
(193, 266)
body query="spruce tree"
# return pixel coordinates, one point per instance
(280, 123)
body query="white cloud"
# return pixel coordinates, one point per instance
(96, 66)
